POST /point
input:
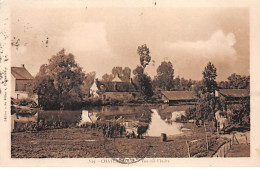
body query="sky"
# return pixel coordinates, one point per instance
(102, 38)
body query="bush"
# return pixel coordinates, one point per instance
(240, 113)
(25, 102)
(190, 113)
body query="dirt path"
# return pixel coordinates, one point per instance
(240, 150)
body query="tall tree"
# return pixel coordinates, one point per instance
(209, 78)
(144, 54)
(65, 76)
(164, 78)
(142, 80)
(43, 86)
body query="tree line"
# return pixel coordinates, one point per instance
(62, 83)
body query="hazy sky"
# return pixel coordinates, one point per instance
(103, 38)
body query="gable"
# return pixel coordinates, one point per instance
(21, 73)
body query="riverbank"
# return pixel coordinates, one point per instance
(89, 143)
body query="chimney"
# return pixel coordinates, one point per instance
(22, 65)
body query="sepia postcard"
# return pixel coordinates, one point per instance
(129, 83)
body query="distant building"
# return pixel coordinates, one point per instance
(93, 91)
(178, 97)
(21, 80)
(116, 89)
(233, 95)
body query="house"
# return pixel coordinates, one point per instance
(21, 81)
(116, 89)
(178, 97)
(93, 91)
(233, 95)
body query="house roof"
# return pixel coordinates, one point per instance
(115, 86)
(178, 95)
(21, 73)
(117, 79)
(234, 92)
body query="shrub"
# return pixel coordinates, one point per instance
(26, 102)
(191, 112)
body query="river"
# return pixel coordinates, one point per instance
(155, 120)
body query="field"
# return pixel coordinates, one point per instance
(90, 143)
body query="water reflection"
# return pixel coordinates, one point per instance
(115, 121)
(158, 126)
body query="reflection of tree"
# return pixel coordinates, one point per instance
(138, 117)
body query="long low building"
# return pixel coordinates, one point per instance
(178, 97)
(187, 97)
(233, 95)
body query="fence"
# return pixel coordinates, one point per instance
(227, 145)
(223, 149)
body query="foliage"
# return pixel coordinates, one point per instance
(25, 102)
(206, 106)
(144, 54)
(235, 81)
(117, 71)
(44, 87)
(209, 78)
(164, 78)
(60, 82)
(240, 113)
(107, 77)
(141, 79)
(144, 85)
(191, 113)
(123, 74)
(181, 84)
(87, 83)
(126, 74)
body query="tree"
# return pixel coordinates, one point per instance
(235, 81)
(144, 54)
(239, 82)
(44, 87)
(64, 77)
(117, 71)
(87, 83)
(107, 77)
(123, 74)
(126, 74)
(143, 81)
(164, 78)
(206, 101)
(209, 78)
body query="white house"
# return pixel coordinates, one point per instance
(21, 80)
(93, 91)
